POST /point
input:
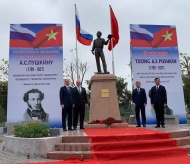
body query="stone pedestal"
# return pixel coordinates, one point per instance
(103, 100)
(35, 147)
(171, 119)
(3, 130)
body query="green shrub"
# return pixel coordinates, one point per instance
(87, 113)
(35, 129)
(2, 124)
(2, 114)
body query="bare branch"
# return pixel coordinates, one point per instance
(71, 71)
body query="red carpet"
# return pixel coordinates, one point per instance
(131, 146)
(135, 145)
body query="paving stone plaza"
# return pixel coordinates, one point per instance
(11, 158)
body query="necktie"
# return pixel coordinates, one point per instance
(138, 90)
(157, 88)
(35, 113)
(68, 89)
(79, 90)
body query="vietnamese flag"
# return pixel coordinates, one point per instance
(165, 37)
(115, 30)
(49, 37)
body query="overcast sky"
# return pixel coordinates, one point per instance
(94, 16)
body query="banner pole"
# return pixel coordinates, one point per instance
(131, 69)
(76, 46)
(132, 86)
(113, 68)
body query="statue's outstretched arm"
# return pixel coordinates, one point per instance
(109, 38)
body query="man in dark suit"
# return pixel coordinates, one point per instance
(158, 98)
(80, 99)
(139, 102)
(67, 104)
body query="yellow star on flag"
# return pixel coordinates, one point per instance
(52, 35)
(167, 36)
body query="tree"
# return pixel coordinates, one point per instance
(72, 73)
(124, 98)
(4, 70)
(3, 90)
(2, 115)
(185, 68)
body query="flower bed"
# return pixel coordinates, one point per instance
(31, 138)
(34, 129)
(109, 121)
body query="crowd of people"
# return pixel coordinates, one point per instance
(73, 102)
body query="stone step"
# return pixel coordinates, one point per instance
(178, 134)
(182, 141)
(69, 154)
(75, 139)
(73, 147)
(86, 146)
(77, 146)
(187, 147)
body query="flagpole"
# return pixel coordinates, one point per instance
(113, 68)
(76, 46)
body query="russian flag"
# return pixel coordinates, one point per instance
(140, 37)
(82, 36)
(21, 37)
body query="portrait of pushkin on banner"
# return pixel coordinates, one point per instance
(34, 111)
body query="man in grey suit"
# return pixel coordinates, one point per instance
(158, 98)
(139, 102)
(80, 99)
(67, 104)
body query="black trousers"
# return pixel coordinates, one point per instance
(159, 110)
(78, 111)
(99, 54)
(138, 109)
(67, 111)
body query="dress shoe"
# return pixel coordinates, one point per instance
(138, 126)
(157, 126)
(64, 130)
(144, 126)
(82, 128)
(70, 129)
(74, 128)
(163, 126)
